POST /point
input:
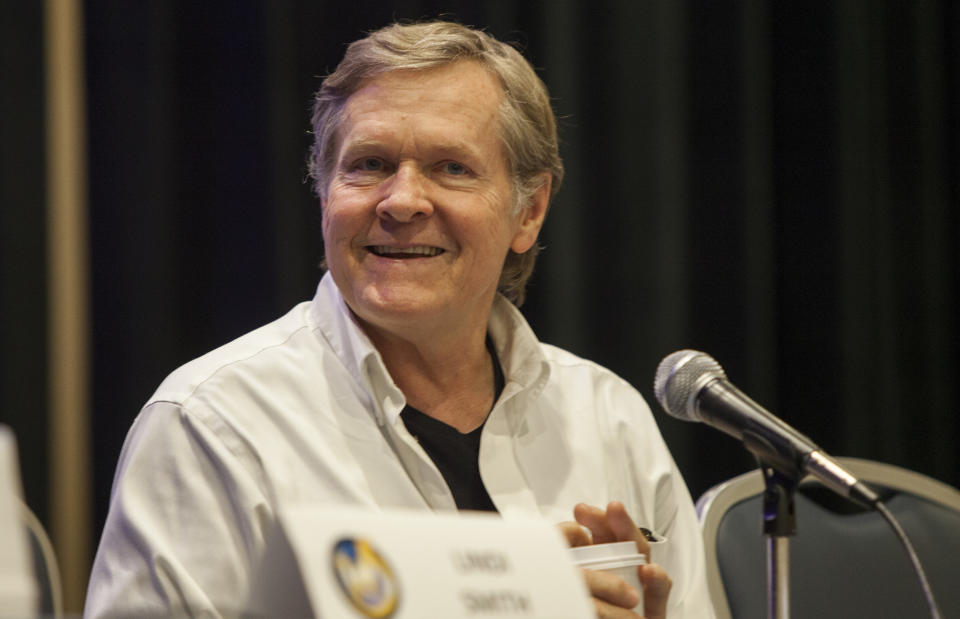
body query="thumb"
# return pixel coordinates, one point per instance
(656, 590)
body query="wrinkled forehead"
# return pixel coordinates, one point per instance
(458, 103)
(463, 88)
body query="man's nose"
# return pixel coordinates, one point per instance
(406, 198)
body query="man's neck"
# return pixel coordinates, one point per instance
(448, 378)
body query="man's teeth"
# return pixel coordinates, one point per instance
(423, 250)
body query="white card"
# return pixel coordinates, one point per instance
(338, 564)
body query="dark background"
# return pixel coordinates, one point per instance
(773, 183)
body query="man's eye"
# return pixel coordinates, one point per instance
(370, 164)
(454, 168)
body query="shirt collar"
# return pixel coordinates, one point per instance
(351, 345)
(524, 365)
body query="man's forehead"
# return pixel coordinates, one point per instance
(466, 83)
(453, 68)
(442, 102)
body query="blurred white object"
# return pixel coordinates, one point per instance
(18, 587)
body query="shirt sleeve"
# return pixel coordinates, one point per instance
(684, 557)
(652, 473)
(184, 490)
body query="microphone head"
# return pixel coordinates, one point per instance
(680, 377)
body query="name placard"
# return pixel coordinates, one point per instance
(344, 563)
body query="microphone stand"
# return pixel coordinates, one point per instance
(779, 524)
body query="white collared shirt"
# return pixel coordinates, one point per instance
(303, 409)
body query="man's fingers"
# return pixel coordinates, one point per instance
(611, 525)
(612, 592)
(623, 527)
(656, 589)
(612, 596)
(594, 519)
(620, 521)
(608, 611)
(575, 534)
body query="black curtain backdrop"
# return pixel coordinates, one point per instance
(773, 183)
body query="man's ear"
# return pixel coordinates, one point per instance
(532, 216)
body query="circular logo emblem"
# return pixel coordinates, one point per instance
(365, 578)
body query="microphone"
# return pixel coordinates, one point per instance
(690, 385)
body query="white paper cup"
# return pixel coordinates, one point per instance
(620, 558)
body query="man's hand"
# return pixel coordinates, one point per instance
(612, 596)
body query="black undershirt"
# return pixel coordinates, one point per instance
(455, 454)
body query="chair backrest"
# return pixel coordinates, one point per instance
(29, 576)
(45, 567)
(844, 561)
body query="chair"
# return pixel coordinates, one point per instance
(845, 561)
(45, 567)
(29, 577)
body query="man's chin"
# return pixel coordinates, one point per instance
(398, 303)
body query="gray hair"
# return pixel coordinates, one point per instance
(527, 125)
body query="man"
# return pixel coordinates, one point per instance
(408, 381)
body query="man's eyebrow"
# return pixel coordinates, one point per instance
(455, 149)
(458, 148)
(348, 151)
(362, 144)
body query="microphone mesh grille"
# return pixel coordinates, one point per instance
(679, 377)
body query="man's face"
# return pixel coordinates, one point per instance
(417, 217)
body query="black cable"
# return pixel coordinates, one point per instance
(917, 567)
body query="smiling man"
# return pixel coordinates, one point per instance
(418, 218)
(411, 380)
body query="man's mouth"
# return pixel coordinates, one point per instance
(419, 251)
